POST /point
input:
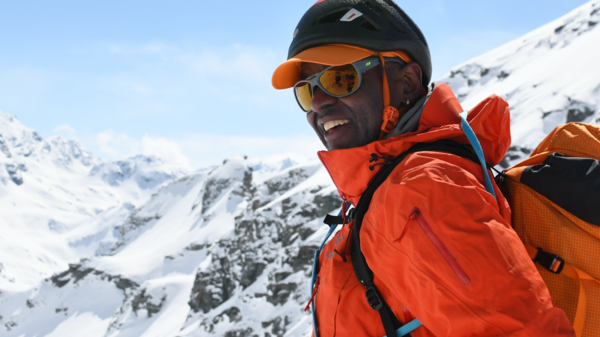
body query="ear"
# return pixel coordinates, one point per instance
(411, 74)
(405, 83)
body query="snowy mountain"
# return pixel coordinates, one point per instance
(549, 77)
(54, 194)
(140, 247)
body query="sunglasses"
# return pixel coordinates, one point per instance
(336, 81)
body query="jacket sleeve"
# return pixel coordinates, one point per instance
(436, 239)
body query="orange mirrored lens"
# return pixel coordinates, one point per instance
(304, 96)
(341, 80)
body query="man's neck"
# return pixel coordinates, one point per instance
(409, 121)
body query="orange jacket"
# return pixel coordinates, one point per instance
(505, 296)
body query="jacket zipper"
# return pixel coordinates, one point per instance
(314, 293)
(439, 244)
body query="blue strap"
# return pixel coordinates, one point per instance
(314, 273)
(312, 287)
(475, 143)
(407, 328)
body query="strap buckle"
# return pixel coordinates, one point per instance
(373, 298)
(548, 261)
(390, 119)
(351, 214)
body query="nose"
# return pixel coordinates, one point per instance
(321, 100)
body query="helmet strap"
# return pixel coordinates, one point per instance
(390, 114)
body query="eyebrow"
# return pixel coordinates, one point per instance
(303, 73)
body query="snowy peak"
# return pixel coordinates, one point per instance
(20, 143)
(576, 23)
(58, 201)
(147, 172)
(67, 152)
(551, 42)
(232, 168)
(549, 77)
(23, 152)
(15, 138)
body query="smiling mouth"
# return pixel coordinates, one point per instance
(332, 124)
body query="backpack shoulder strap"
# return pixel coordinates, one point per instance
(361, 268)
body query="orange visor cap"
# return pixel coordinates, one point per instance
(288, 73)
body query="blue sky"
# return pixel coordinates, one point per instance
(190, 80)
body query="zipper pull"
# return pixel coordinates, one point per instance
(314, 293)
(408, 222)
(340, 254)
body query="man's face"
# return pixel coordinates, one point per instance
(351, 121)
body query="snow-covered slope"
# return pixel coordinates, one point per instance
(141, 248)
(549, 77)
(54, 194)
(223, 252)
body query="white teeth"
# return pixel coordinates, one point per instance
(332, 124)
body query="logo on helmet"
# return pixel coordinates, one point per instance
(318, 2)
(351, 15)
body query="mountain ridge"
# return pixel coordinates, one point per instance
(547, 76)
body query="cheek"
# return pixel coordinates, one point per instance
(367, 107)
(374, 102)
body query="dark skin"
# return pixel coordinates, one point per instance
(363, 109)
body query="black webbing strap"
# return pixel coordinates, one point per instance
(389, 320)
(334, 220)
(359, 263)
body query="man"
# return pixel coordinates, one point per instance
(439, 244)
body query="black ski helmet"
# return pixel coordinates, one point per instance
(377, 25)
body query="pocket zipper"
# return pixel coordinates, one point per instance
(439, 244)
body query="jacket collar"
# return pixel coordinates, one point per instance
(409, 121)
(349, 168)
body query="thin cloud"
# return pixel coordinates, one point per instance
(204, 150)
(165, 149)
(65, 130)
(117, 146)
(197, 151)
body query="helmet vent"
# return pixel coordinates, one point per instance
(331, 17)
(404, 17)
(393, 21)
(368, 25)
